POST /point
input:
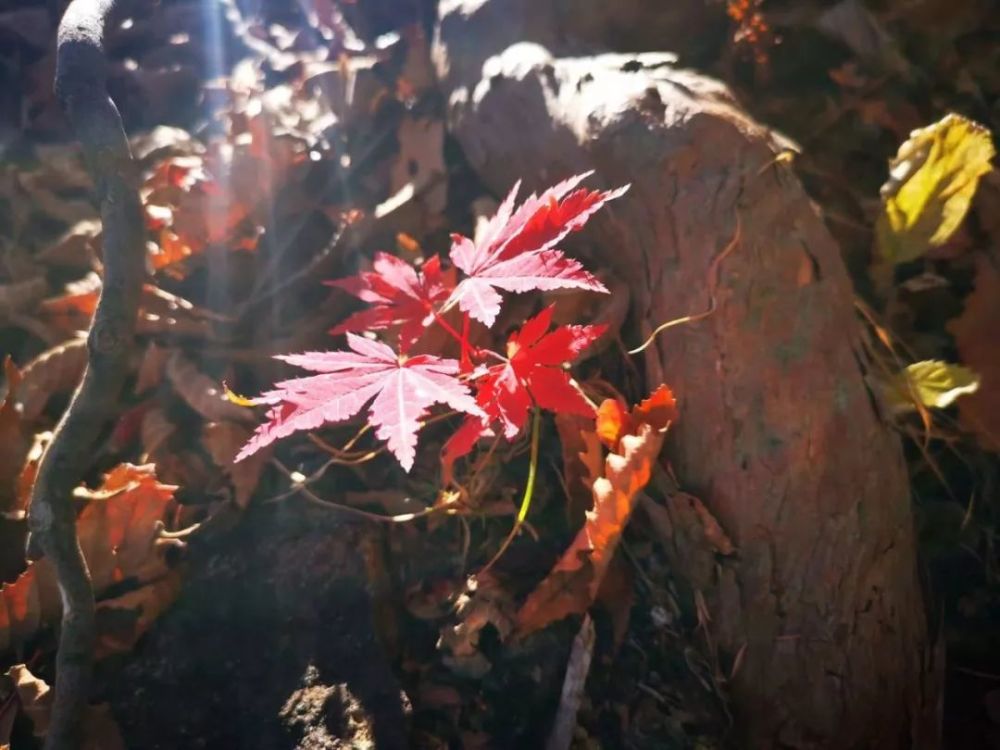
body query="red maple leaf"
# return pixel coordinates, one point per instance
(403, 388)
(532, 375)
(517, 250)
(399, 295)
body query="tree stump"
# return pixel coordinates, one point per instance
(821, 606)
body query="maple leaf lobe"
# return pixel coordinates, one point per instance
(516, 252)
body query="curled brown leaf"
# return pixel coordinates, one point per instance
(575, 581)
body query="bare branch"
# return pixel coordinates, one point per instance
(80, 84)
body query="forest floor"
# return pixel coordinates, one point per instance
(279, 151)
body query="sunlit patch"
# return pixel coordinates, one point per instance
(219, 201)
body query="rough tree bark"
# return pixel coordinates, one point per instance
(81, 71)
(778, 434)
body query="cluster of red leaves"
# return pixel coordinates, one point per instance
(531, 375)
(516, 253)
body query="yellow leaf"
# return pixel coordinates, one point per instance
(931, 184)
(235, 398)
(931, 383)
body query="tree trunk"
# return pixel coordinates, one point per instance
(778, 435)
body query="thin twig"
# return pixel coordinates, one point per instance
(81, 69)
(713, 282)
(301, 488)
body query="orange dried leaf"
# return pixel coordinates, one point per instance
(34, 695)
(72, 311)
(134, 613)
(407, 244)
(616, 595)
(21, 610)
(170, 249)
(573, 584)
(659, 410)
(613, 421)
(583, 461)
(125, 525)
(118, 530)
(98, 730)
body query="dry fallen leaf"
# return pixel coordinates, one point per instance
(930, 383)
(223, 441)
(125, 524)
(582, 462)
(573, 584)
(122, 621)
(76, 249)
(612, 422)
(98, 731)
(931, 184)
(169, 250)
(616, 595)
(71, 312)
(160, 313)
(484, 602)
(118, 530)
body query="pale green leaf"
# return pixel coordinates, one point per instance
(931, 184)
(930, 383)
